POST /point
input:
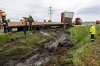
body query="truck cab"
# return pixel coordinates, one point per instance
(78, 21)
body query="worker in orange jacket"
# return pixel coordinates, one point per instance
(24, 25)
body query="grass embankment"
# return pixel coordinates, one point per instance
(12, 36)
(24, 45)
(84, 53)
(6, 38)
(84, 50)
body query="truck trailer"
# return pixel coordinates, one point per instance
(66, 17)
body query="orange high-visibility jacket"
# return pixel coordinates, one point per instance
(24, 22)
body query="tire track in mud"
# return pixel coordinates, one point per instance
(44, 53)
(48, 51)
(12, 43)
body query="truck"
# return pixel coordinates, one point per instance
(66, 17)
(97, 21)
(78, 21)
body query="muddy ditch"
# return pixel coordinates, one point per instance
(44, 53)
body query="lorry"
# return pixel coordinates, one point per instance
(78, 21)
(97, 21)
(66, 17)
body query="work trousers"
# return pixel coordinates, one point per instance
(3, 19)
(8, 29)
(25, 29)
(30, 26)
(92, 37)
(4, 28)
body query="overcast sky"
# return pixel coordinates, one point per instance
(87, 10)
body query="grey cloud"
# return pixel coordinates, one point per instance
(89, 10)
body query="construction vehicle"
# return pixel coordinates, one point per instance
(97, 21)
(66, 17)
(78, 21)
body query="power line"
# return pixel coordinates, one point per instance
(50, 13)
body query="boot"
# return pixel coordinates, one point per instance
(92, 40)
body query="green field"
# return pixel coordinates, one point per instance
(87, 23)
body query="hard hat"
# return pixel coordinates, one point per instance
(91, 23)
(30, 15)
(8, 18)
(4, 14)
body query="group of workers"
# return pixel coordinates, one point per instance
(27, 21)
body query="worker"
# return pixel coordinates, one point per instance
(30, 20)
(3, 17)
(4, 21)
(44, 20)
(7, 27)
(8, 19)
(49, 20)
(92, 31)
(24, 25)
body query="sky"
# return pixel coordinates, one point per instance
(87, 10)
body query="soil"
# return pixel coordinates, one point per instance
(59, 51)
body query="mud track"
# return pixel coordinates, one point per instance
(42, 56)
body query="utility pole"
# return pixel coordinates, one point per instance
(50, 13)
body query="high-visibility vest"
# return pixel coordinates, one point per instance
(24, 21)
(93, 30)
(3, 14)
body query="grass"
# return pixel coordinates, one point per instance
(16, 50)
(4, 38)
(53, 34)
(27, 45)
(10, 37)
(83, 49)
